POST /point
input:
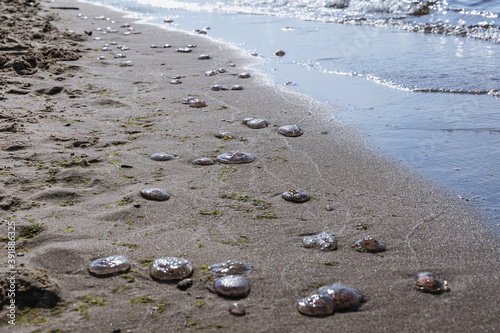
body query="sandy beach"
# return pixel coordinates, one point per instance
(77, 134)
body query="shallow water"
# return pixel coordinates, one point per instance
(428, 100)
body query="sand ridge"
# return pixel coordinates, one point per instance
(75, 157)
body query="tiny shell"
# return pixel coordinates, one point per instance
(237, 309)
(171, 268)
(203, 161)
(109, 265)
(217, 87)
(235, 157)
(430, 283)
(196, 103)
(295, 196)
(232, 286)
(231, 267)
(237, 87)
(157, 194)
(315, 305)
(204, 57)
(369, 244)
(244, 75)
(344, 298)
(322, 241)
(225, 135)
(257, 123)
(290, 130)
(162, 157)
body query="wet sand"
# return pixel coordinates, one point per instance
(76, 140)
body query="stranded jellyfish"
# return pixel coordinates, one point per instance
(232, 286)
(217, 87)
(430, 283)
(237, 309)
(344, 298)
(257, 123)
(203, 161)
(369, 244)
(196, 103)
(204, 57)
(322, 241)
(237, 87)
(295, 196)
(244, 75)
(231, 267)
(157, 194)
(171, 268)
(235, 157)
(162, 157)
(315, 305)
(109, 265)
(290, 130)
(225, 135)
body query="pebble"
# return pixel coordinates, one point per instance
(171, 268)
(232, 286)
(157, 194)
(109, 265)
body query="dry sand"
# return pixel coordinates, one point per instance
(70, 129)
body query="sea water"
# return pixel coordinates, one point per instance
(420, 78)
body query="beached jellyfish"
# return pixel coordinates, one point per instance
(171, 268)
(191, 46)
(109, 265)
(235, 157)
(290, 130)
(125, 25)
(187, 100)
(157, 194)
(315, 305)
(176, 81)
(221, 70)
(162, 157)
(217, 87)
(197, 103)
(279, 53)
(231, 267)
(101, 58)
(127, 63)
(244, 75)
(203, 161)
(204, 57)
(232, 286)
(183, 50)
(232, 65)
(430, 283)
(369, 244)
(322, 241)
(154, 46)
(119, 55)
(257, 123)
(246, 120)
(225, 135)
(295, 196)
(176, 77)
(210, 73)
(168, 21)
(237, 87)
(237, 309)
(124, 48)
(344, 298)
(167, 46)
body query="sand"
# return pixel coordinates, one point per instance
(76, 138)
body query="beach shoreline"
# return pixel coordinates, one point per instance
(78, 152)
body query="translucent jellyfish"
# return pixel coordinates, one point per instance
(315, 305)
(210, 73)
(290, 130)
(231, 267)
(369, 244)
(171, 268)
(225, 135)
(217, 87)
(232, 286)
(237, 309)
(162, 157)
(244, 75)
(295, 196)
(257, 123)
(203, 161)
(235, 157)
(196, 103)
(237, 87)
(109, 265)
(430, 283)
(246, 120)
(183, 50)
(176, 81)
(204, 57)
(322, 241)
(157, 194)
(279, 53)
(344, 298)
